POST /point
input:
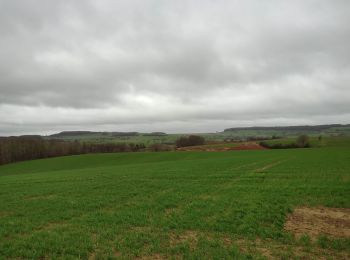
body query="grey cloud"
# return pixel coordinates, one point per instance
(117, 63)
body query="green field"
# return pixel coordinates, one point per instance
(190, 205)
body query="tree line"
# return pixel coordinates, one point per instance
(287, 128)
(14, 149)
(191, 140)
(302, 141)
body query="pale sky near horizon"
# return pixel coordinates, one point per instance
(172, 66)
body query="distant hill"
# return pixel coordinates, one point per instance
(72, 133)
(234, 133)
(31, 136)
(91, 133)
(114, 134)
(287, 128)
(155, 134)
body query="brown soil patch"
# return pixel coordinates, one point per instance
(189, 236)
(4, 213)
(172, 211)
(276, 250)
(333, 222)
(249, 146)
(226, 241)
(151, 257)
(257, 246)
(346, 178)
(92, 256)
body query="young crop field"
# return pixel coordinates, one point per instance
(265, 204)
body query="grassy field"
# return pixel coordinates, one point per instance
(192, 205)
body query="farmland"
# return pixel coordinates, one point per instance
(192, 205)
(227, 134)
(185, 130)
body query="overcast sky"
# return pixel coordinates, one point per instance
(174, 66)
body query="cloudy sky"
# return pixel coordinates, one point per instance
(174, 66)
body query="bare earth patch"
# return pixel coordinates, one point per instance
(275, 250)
(5, 213)
(92, 256)
(171, 211)
(189, 236)
(152, 257)
(346, 178)
(249, 146)
(332, 222)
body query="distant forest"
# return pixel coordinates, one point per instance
(81, 133)
(286, 128)
(14, 149)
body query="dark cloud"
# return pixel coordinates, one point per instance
(174, 65)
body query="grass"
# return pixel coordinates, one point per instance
(192, 205)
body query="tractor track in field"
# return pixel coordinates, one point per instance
(269, 166)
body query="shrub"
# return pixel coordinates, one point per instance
(190, 141)
(278, 145)
(303, 141)
(14, 149)
(160, 148)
